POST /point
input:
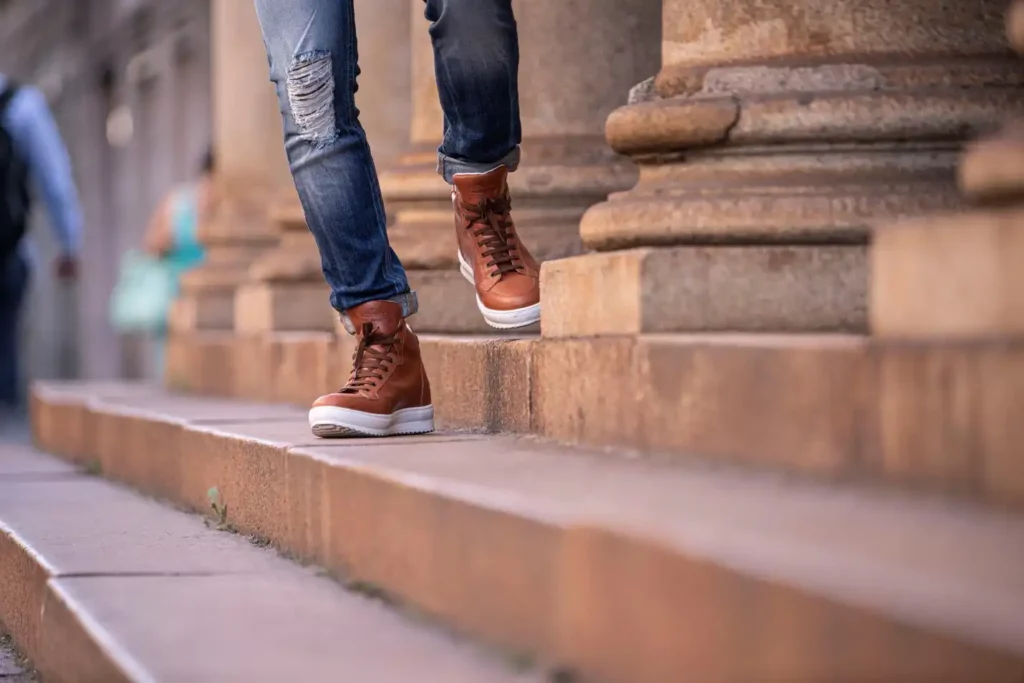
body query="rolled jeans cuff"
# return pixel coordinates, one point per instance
(409, 302)
(448, 168)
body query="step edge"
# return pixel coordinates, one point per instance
(88, 628)
(99, 637)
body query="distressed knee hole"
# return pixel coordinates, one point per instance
(311, 96)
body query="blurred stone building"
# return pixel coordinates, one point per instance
(129, 84)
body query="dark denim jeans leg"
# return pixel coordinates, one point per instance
(476, 62)
(14, 277)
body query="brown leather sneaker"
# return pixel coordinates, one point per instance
(491, 255)
(387, 392)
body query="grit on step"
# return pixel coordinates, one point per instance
(100, 585)
(617, 569)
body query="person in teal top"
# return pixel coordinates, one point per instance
(173, 234)
(185, 251)
(173, 230)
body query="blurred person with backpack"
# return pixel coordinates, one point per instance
(32, 153)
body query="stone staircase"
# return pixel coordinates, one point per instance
(594, 564)
(770, 428)
(100, 585)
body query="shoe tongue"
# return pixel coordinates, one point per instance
(475, 187)
(385, 316)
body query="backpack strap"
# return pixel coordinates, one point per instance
(7, 96)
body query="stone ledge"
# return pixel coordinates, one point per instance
(790, 402)
(601, 564)
(478, 383)
(946, 417)
(938, 416)
(707, 289)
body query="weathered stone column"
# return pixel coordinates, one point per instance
(569, 80)
(251, 167)
(286, 289)
(773, 136)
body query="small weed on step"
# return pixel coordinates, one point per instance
(220, 511)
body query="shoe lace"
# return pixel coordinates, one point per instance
(374, 354)
(490, 222)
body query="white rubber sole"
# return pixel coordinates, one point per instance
(331, 422)
(500, 320)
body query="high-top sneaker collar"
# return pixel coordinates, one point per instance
(385, 317)
(474, 188)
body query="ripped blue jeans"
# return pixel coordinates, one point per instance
(311, 47)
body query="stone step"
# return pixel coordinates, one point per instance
(948, 417)
(810, 288)
(448, 304)
(479, 382)
(100, 585)
(943, 416)
(613, 569)
(264, 307)
(953, 276)
(203, 362)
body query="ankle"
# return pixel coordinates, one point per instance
(408, 304)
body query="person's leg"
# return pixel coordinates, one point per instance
(476, 58)
(476, 62)
(13, 284)
(311, 46)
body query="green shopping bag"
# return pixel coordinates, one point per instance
(142, 298)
